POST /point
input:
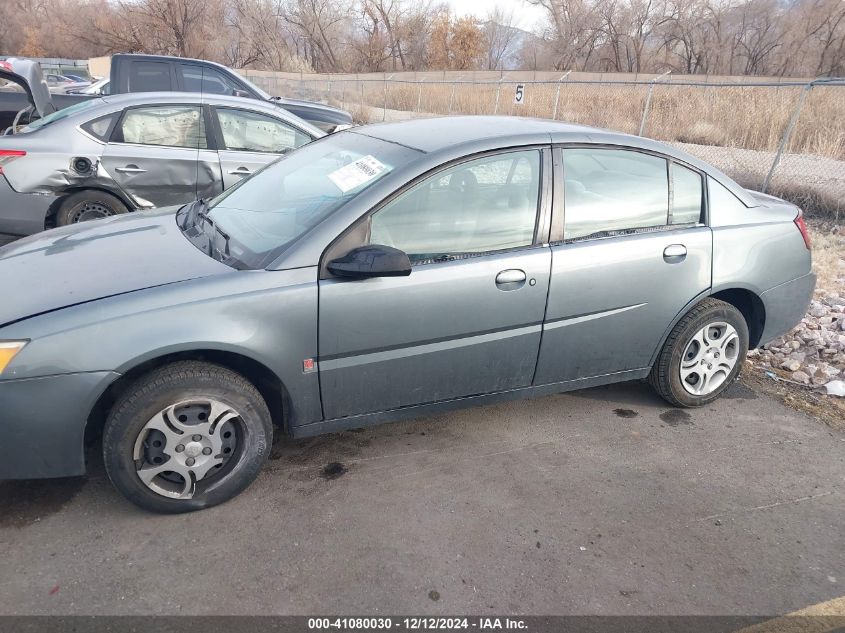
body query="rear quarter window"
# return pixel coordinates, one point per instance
(99, 128)
(687, 195)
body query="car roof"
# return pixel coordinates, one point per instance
(442, 134)
(439, 133)
(244, 103)
(169, 96)
(152, 57)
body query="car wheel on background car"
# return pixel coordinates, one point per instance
(90, 204)
(702, 356)
(186, 436)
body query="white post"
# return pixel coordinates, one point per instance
(557, 92)
(648, 101)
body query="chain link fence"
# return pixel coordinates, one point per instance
(781, 137)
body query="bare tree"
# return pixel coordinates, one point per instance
(501, 34)
(572, 32)
(319, 28)
(759, 37)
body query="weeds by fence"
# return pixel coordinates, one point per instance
(786, 138)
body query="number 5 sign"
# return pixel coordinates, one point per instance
(519, 95)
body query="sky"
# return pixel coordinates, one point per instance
(525, 15)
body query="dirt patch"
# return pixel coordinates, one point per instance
(676, 417)
(812, 401)
(333, 470)
(626, 413)
(738, 391)
(28, 501)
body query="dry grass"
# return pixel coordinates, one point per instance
(746, 117)
(828, 259)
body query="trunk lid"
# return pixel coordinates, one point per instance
(27, 74)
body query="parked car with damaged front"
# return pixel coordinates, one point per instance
(121, 153)
(381, 273)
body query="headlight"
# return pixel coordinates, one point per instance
(8, 350)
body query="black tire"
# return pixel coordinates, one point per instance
(164, 387)
(90, 204)
(665, 376)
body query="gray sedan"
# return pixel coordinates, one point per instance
(115, 154)
(382, 273)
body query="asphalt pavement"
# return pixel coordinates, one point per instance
(603, 501)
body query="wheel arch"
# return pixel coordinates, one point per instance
(744, 298)
(50, 217)
(749, 303)
(269, 385)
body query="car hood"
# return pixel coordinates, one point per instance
(27, 74)
(94, 260)
(313, 111)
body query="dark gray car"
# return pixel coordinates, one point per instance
(381, 273)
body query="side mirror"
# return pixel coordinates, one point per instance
(375, 260)
(240, 93)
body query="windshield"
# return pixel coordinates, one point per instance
(262, 93)
(58, 115)
(100, 87)
(263, 214)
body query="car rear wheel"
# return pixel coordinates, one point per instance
(186, 436)
(88, 205)
(702, 356)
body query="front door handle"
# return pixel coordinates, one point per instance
(674, 253)
(512, 276)
(130, 169)
(240, 171)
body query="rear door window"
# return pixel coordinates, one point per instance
(196, 78)
(248, 131)
(167, 125)
(608, 191)
(149, 77)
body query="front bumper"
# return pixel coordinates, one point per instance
(42, 423)
(786, 305)
(22, 213)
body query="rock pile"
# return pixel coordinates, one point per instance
(813, 353)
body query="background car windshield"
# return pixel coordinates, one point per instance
(263, 214)
(58, 115)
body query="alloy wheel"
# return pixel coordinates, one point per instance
(709, 358)
(186, 446)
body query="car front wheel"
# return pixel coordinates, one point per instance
(186, 436)
(702, 356)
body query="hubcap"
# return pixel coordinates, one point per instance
(185, 446)
(91, 211)
(709, 358)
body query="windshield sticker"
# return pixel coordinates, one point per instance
(356, 174)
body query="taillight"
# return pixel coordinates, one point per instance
(802, 226)
(6, 65)
(8, 155)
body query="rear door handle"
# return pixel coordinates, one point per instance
(512, 276)
(240, 171)
(674, 253)
(130, 169)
